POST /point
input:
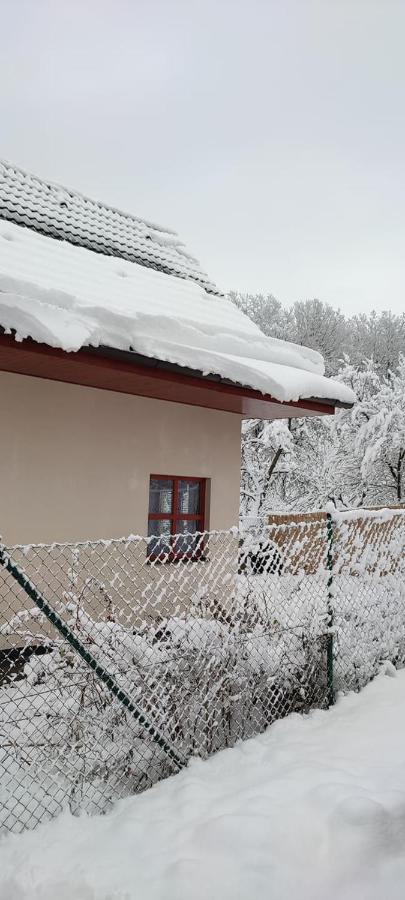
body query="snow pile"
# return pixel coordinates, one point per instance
(313, 808)
(70, 297)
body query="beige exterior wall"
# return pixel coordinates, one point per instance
(75, 461)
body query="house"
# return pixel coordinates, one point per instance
(125, 375)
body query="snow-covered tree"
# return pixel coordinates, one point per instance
(354, 458)
(267, 451)
(267, 312)
(377, 336)
(358, 456)
(380, 438)
(318, 325)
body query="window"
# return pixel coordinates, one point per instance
(176, 507)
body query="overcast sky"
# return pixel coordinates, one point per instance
(269, 133)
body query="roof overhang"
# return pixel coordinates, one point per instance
(129, 373)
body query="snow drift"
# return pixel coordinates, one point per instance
(314, 808)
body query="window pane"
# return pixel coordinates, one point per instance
(159, 534)
(161, 495)
(186, 542)
(189, 497)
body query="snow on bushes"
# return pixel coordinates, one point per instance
(206, 675)
(205, 683)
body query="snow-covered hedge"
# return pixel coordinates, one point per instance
(205, 682)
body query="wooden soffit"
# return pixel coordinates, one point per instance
(128, 373)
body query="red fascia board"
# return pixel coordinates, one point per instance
(92, 369)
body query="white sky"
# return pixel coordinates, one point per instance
(269, 133)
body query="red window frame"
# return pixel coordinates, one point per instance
(176, 516)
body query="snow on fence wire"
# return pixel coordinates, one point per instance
(152, 653)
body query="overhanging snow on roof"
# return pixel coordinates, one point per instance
(130, 373)
(70, 297)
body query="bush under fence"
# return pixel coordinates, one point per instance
(120, 660)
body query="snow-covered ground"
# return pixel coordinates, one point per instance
(315, 807)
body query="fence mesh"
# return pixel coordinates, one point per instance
(211, 637)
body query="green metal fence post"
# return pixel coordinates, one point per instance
(34, 594)
(329, 645)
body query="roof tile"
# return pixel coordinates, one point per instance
(69, 216)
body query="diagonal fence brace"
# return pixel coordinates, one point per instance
(34, 594)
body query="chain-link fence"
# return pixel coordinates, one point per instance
(120, 660)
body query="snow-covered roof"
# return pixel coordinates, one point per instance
(70, 296)
(67, 215)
